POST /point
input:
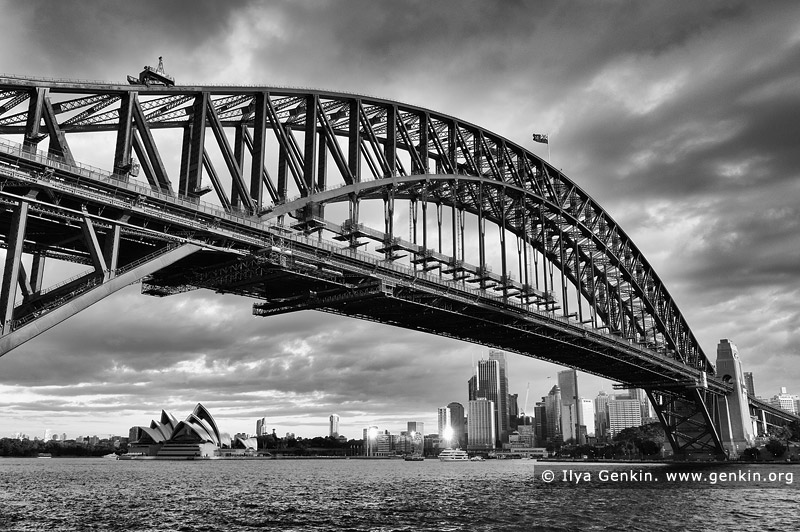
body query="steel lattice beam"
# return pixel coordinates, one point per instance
(329, 148)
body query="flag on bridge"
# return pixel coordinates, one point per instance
(537, 137)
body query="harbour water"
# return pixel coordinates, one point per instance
(391, 495)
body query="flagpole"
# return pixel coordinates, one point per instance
(544, 139)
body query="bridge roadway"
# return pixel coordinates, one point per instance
(290, 271)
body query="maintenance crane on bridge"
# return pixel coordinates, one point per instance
(153, 76)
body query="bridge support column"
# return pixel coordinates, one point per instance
(735, 423)
(689, 421)
(13, 265)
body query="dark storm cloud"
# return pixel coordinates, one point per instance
(103, 40)
(713, 138)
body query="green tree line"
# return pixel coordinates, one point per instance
(12, 447)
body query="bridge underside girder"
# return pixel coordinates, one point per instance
(287, 283)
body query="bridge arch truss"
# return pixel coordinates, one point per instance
(276, 161)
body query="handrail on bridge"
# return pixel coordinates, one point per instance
(122, 181)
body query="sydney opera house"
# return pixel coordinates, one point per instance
(197, 436)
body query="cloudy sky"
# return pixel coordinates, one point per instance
(681, 119)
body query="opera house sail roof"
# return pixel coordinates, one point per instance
(195, 436)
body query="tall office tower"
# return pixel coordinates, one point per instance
(370, 439)
(601, 415)
(513, 411)
(472, 388)
(487, 386)
(748, 381)
(444, 421)
(458, 424)
(416, 426)
(481, 428)
(587, 413)
(622, 414)
(568, 382)
(261, 427)
(568, 418)
(553, 407)
(333, 429)
(503, 408)
(540, 423)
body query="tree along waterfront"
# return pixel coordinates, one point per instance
(13, 447)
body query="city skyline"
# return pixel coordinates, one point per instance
(677, 119)
(593, 411)
(350, 426)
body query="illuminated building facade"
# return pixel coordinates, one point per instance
(481, 428)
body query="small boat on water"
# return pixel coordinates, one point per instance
(477, 459)
(413, 458)
(453, 455)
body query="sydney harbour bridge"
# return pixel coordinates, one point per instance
(355, 205)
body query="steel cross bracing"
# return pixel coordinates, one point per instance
(275, 160)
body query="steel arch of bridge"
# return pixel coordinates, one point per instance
(377, 149)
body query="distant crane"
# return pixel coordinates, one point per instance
(153, 76)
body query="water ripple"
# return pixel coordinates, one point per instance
(360, 495)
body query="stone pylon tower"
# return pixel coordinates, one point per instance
(736, 427)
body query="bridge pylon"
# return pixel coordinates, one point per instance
(736, 426)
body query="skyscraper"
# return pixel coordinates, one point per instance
(481, 429)
(261, 427)
(587, 413)
(487, 384)
(569, 423)
(333, 431)
(472, 388)
(444, 422)
(540, 423)
(416, 426)
(568, 382)
(370, 439)
(458, 424)
(748, 381)
(490, 383)
(601, 415)
(503, 408)
(552, 404)
(513, 411)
